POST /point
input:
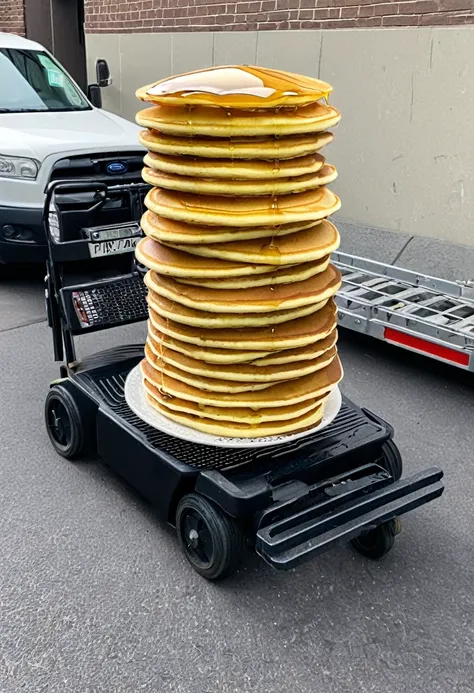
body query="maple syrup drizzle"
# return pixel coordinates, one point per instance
(235, 86)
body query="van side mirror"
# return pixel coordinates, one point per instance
(95, 95)
(103, 73)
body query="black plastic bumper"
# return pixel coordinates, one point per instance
(338, 510)
(29, 221)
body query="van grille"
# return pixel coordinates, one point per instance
(103, 168)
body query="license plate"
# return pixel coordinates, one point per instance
(120, 245)
(97, 234)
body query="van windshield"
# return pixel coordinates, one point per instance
(31, 82)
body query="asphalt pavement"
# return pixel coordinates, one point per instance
(95, 596)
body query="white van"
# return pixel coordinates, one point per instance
(49, 130)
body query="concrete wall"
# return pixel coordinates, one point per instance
(405, 146)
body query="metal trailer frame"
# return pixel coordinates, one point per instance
(429, 316)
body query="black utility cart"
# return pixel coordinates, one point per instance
(291, 501)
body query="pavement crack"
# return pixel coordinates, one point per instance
(23, 324)
(402, 250)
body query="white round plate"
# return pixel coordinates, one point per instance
(137, 401)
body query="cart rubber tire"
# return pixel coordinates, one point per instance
(378, 541)
(391, 459)
(64, 423)
(211, 540)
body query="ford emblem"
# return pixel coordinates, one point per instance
(116, 167)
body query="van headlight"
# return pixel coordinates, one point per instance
(18, 167)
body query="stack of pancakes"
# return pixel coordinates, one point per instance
(242, 329)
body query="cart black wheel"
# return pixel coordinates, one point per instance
(378, 541)
(64, 423)
(211, 540)
(392, 460)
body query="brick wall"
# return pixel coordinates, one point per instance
(12, 16)
(132, 16)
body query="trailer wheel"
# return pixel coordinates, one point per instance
(392, 460)
(64, 423)
(211, 540)
(378, 541)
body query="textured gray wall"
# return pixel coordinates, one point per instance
(405, 146)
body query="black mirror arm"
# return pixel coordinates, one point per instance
(95, 95)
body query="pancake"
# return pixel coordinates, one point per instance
(288, 393)
(170, 231)
(233, 356)
(304, 246)
(270, 148)
(211, 210)
(176, 263)
(302, 354)
(288, 335)
(241, 372)
(218, 122)
(236, 414)
(205, 383)
(284, 275)
(237, 429)
(209, 186)
(207, 354)
(264, 299)
(210, 320)
(233, 169)
(236, 86)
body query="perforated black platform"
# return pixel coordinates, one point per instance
(350, 425)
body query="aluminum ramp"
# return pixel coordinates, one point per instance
(420, 313)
